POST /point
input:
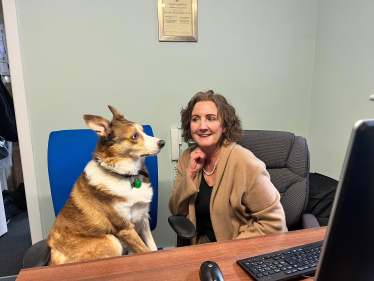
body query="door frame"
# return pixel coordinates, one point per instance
(22, 118)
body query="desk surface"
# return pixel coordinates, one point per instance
(177, 263)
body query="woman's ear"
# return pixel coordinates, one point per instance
(98, 124)
(224, 130)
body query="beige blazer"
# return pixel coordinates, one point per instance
(244, 203)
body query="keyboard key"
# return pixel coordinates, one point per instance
(289, 261)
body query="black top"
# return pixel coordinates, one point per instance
(203, 221)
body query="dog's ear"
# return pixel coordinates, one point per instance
(116, 114)
(98, 124)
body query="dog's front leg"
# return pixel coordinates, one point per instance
(145, 233)
(131, 239)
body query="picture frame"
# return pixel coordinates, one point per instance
(177, 20)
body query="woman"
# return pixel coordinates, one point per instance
(222, 187)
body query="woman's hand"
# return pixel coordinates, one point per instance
(197, 159)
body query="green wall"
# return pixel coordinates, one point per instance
(80, 56)
(342, 80)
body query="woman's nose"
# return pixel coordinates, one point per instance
(203, 125)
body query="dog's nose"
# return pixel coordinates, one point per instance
(161, 143)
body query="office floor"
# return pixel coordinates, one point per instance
(14, 244)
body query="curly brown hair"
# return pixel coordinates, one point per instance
(226, 112)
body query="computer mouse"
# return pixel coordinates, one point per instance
(210, 271)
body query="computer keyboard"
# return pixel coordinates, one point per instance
(283, 265)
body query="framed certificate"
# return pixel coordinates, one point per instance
(177, 20)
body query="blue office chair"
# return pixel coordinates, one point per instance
(69, 151)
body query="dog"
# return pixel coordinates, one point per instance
(107, 211)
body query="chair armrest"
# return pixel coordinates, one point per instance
(309, 221)
(182, 226)
(37, 255)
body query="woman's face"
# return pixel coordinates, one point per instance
(206, 128)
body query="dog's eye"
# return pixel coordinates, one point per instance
(135, 136)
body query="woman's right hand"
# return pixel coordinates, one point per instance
(197, 160)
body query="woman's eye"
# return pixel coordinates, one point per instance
(194, 119)
(135, 136)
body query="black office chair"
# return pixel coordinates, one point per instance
(287, 160)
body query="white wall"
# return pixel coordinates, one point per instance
(342, 80)
(80, 56)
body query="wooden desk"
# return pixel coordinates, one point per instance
(177, 263)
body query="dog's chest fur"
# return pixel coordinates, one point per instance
(135, 207)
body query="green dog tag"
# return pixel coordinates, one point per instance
(138, 184)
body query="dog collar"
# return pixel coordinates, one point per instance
(136, 183)
(140, 172)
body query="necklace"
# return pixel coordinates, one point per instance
(215, 165)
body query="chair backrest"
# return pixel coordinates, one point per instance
(69, 151)
(286, 157)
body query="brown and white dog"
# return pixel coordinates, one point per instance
(104, 212)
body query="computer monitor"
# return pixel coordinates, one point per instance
(348, 249)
